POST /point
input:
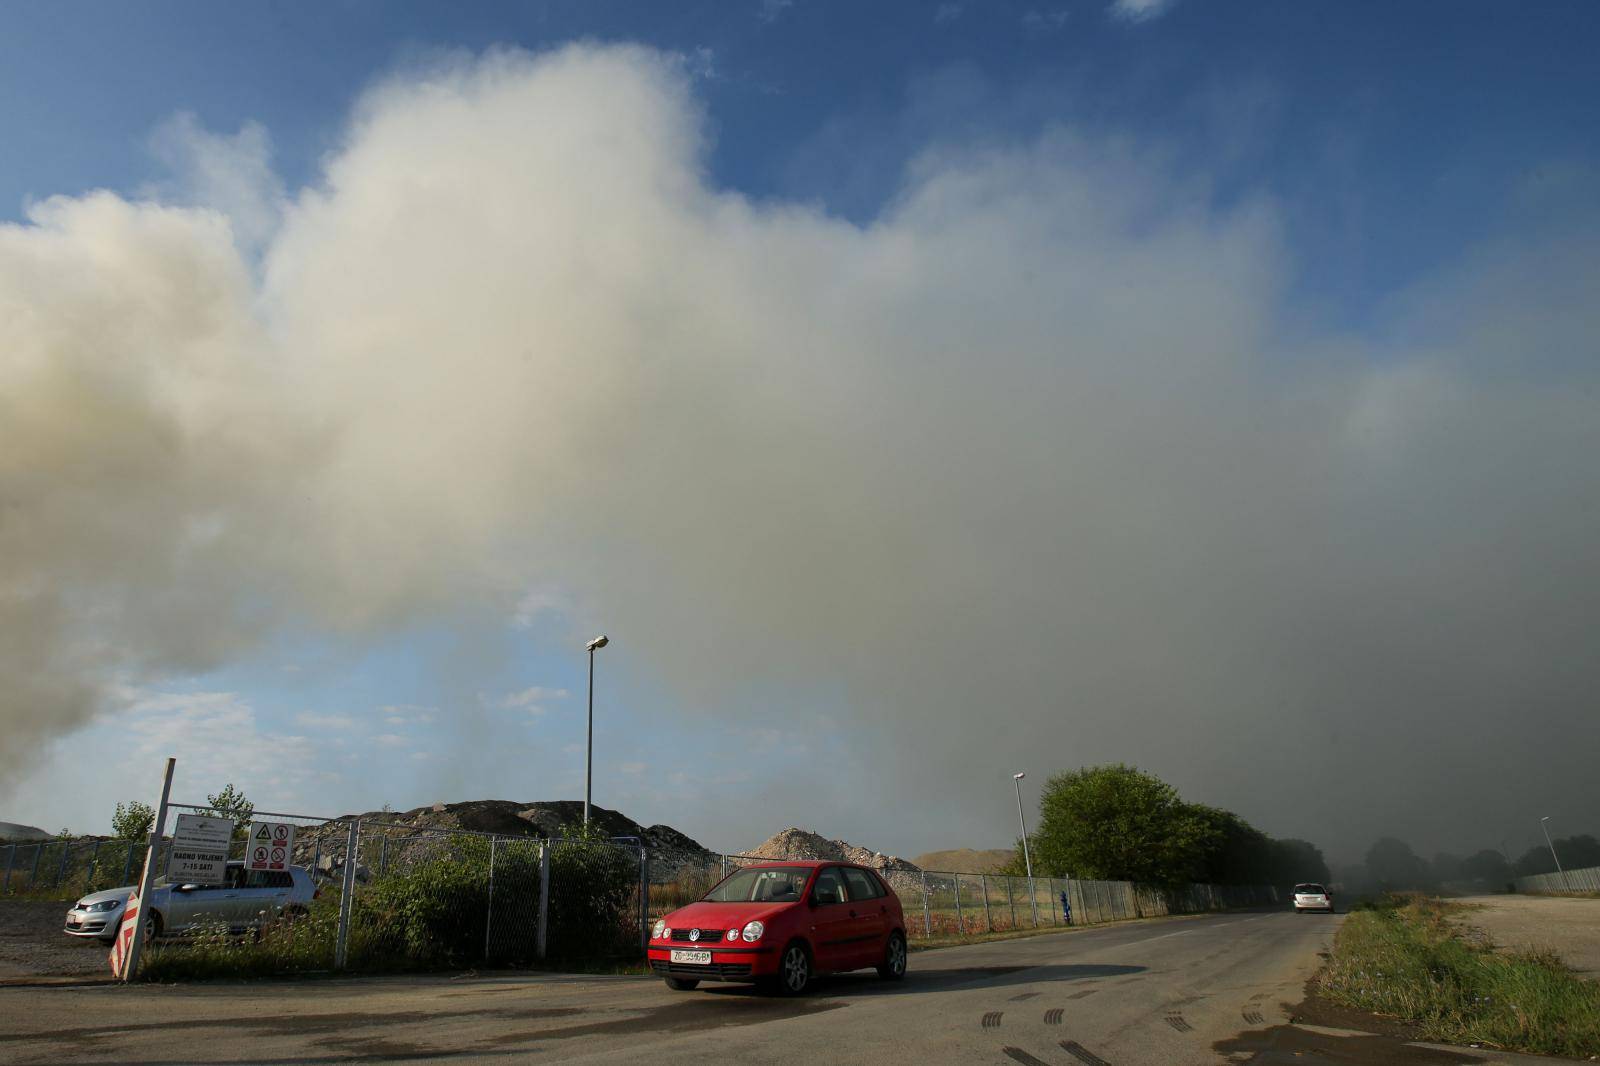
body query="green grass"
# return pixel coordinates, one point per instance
(1407, 959)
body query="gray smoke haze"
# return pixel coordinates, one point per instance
(1035, 469)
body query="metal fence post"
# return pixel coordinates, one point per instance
(61, 867)
(341, 946)
(644, 899)
(1011, 901)
(94, 860)
(488, 918)
(33, 871)
(961, 926)
(383, 856)
(11, 857)
(1053, 919)
(127, 863)
(927, 922)
(983, 882)
(543, 939)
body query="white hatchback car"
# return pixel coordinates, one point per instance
(1312, 897)
(244, 900)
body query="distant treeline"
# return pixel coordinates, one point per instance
(1391, 865)
(1117, 823)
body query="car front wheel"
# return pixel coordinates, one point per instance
(893, 966)
(794, 970)
(682, 984)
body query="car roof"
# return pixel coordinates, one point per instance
(808, 863)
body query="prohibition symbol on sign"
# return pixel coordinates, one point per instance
(271, 846)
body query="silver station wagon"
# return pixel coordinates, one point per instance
(243, 901)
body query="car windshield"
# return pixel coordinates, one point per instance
(1307, 890)
(767, 884)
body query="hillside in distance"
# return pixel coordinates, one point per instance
(966, 860)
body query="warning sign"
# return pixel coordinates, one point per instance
(271, 846)
(123, 944)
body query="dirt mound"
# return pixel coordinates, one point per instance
(12, 831)
(966, 860)
(419, 833)
(796, 843)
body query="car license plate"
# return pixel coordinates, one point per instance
(699, 958)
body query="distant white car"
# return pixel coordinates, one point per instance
(1312, 897)
(244, 900)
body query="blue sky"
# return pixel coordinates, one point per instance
(1373, 160)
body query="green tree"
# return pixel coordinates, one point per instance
(1117, 823)
(231, 803)
(133, 820)
(1298, 860)
(1488, 866)
(1395, 867)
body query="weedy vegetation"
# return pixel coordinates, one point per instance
(1411, 958)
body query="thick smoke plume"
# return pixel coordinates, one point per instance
(1027, 466)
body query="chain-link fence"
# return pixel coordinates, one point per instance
(1582, 882)
(68, 866)
(378, 895)
(947, 904)
(383, 895)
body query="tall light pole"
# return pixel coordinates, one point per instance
(1551, 845)
(1027, 859)
(588, 762)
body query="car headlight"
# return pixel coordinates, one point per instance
(104, 905)
(753, 931)
(666, 933)
(733, 934)
(660, 930)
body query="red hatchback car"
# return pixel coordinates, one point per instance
(780, 924)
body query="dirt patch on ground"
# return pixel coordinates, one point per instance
(1338, 1034)
(33, 945)
(1567, 926)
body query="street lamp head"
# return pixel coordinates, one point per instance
(1019, 777)
(597, 642)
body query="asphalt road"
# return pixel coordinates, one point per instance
(1200, 990)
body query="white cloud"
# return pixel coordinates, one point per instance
(947, 12)
(513, 336)
(391, 740)
(406, 714)
(312, 720)
(529, 699)
(534, 603)
(769, 10)
(232, 175)
(1045, 21)
(1140, 10)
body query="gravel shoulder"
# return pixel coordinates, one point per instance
(1567, 926)
(33, 945)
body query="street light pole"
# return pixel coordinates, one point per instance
(1551, 845)
(588, 761)
(1027, 859)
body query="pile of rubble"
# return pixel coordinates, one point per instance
(395, 839)
(796, 843)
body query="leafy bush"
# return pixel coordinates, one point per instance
(593, 897)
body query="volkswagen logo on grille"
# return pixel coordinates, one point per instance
(694, 934)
